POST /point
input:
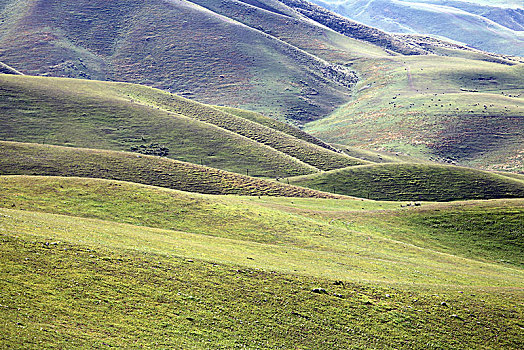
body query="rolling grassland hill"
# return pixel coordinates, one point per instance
(408, 181)
(290, 60)
(393, 44)
(177, 46)
(285, 61)
(437, 108)
(378, 181)
(287, 21)
(124, 117)
(36, 159)
(276, 125)
(452, 131)
(382, 156)
(110, 263)
(132, 217)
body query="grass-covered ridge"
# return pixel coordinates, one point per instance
(36, 159)
(286, 66)
(276, 125)
(195, 247)
(494, 26)
(496, 230)
(120, 116)
(158, 208)
(484, 230)
(97, 114)
(212, 58)
(320, 157)
(379, 156)
(404, 181)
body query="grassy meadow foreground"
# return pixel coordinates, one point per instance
(108, 263)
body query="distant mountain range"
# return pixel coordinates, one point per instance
(291, 60)
(198, 49)
(496, 26)
(274, 57)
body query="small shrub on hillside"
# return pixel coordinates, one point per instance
(153, 149)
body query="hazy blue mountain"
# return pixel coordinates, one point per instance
(496, 26)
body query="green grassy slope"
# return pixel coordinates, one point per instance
(482, 230)
(352, 29)
(247, 278)
(225, 217)
(87, 260)
(495, 230)
(394, 44)
(176, 46)
(487, 230)
(91, 296)
(435, 107)
(35, 159)
(98, 297)
(275, 124)
(159, 208)
(513, 175)
(379, 156)
(423, 182)
(229, 229)
(283, 65)
(99, 114)
(312, 154)
(101, 105)
(275, 18)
